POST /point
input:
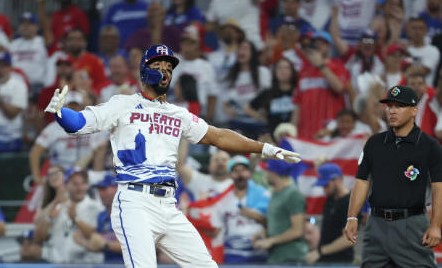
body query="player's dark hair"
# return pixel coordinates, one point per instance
(254, 64)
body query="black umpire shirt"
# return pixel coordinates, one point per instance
(400, 168)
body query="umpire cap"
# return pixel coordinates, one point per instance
(159, 52)
(401, 94)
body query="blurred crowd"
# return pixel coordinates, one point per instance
(270, 69)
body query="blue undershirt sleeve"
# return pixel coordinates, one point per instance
(71, 121)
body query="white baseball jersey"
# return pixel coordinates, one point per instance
(15, 92)
(144, 135)
(65, 149)
(30, 56)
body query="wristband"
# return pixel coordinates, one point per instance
(352, 219)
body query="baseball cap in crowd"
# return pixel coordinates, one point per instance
(327, 172)
(237, 160)
(324, 36)
(231, 22)
(401, 94)
(74, 96)
(368, 37)
(108, 180)
(5, 57)
(279, 167)
(394, 47)
(29, 17)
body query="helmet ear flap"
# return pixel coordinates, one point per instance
(143, 74)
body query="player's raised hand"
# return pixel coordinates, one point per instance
(57, 101)
(273, 152)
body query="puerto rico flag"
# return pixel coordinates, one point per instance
(345, 152)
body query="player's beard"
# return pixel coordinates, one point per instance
(160, 90)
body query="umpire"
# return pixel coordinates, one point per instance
(396, 166)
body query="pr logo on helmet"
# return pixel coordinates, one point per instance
(395, 91)
(163, 50)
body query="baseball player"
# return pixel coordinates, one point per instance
(145, 133)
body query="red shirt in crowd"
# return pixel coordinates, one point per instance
(317, 102)
(5, 25)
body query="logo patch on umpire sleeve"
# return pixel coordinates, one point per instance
(361, 156)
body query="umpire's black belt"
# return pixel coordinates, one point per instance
(159, 190)
(396, 214)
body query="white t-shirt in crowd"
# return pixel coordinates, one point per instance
(14, 92)
(203, 185)
(65, 149)
(428, 56)
(31, 57)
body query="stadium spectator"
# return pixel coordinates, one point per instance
(67, 18)
(200, 185)
(64, 71)
(241, 214)
(155, 32)
(29, 52)
(193, 64)
(13, 102)
(333, 246)
(76, 48)
(61, 219)
(274, 105)
(128, 16)
(345, 125)
(63, 149)
(186, 94)
(108, 46)
(353, 18)
(395, 59)
(323, 85)
(246, 13)
(246, 79)
(389, 23)
(103, 237)
(230, 36)
(432, 16)
(181, 13)
(119, 80)
(316, 12)
(426, 116)
(285, 42)
(5, 26)
(135, 55)
(424, 55)
(360, 58)
(290, 15)
(284, 238)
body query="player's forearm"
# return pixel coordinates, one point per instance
(230, 141)
(339, 244)
(358, 196)
(436, 216)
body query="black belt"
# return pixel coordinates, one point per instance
(155, 189)
(396, 214)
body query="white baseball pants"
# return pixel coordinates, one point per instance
(141, 221)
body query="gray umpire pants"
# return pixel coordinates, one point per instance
(396, 243)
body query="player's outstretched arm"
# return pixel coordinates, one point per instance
(231, 141)
(70, 120)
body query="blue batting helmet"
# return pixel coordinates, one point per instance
(159, 52)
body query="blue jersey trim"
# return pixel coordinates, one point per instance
(124, 231)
